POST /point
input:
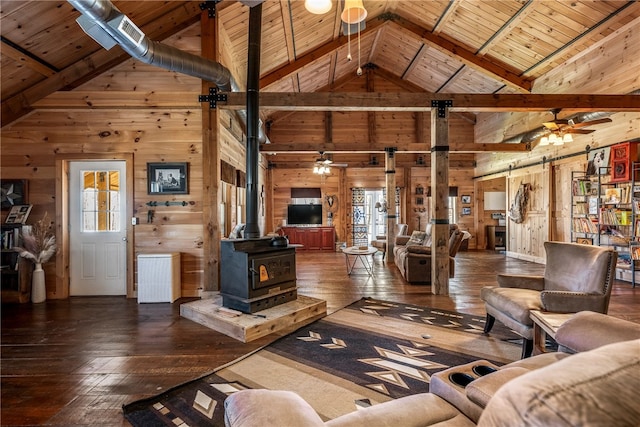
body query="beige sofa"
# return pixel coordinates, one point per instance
(414, 261)
(595, 387)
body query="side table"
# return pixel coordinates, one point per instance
(545, 324)
(362, 255)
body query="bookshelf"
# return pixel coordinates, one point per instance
(604, 213)
(15, 270)
(634, 242)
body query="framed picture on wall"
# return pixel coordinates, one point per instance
(466, 199)
(14, 192)
(167, 178)
(466, 211)
(18, 214)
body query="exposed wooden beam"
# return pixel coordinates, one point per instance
(305, 147)
(470, 58)
(379, 101)
(321, 51)
(462, 164)
(26, 58)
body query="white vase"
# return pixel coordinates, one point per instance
(38, 288)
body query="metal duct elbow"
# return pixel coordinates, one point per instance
(110, 26)
(171, 58)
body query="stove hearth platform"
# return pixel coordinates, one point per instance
(246, 327)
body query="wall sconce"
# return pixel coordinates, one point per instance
(381, 207)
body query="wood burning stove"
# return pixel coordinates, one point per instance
(255, 276)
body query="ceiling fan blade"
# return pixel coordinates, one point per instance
(339, 165)
(591, 123)
(579, 131)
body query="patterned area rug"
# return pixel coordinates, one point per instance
(369, 352)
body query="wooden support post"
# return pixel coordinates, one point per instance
(440, 197)
(210, 166)
(390, 181)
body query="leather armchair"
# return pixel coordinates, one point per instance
(380, 242)
(576, 278)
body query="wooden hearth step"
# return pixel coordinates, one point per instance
(244, 327)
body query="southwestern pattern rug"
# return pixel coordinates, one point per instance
(366, 353)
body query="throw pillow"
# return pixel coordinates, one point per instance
(417, 238)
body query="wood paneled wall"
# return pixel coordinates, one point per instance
(549, 168)
(149, 133)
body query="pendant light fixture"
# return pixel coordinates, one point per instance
(353, 14)
(318, 7)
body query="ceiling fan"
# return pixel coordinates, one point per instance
(570, 126)
(560, 130)
(326, 161)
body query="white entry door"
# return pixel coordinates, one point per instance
(97, 228)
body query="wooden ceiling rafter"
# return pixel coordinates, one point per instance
(318, 53)
(479, 63)
(27, 58)
(552, 57)
(446, 16)
(288, 29)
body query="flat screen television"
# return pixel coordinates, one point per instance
(309, 214)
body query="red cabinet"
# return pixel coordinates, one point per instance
(312, 238)
(622, 157)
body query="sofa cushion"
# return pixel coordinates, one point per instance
(419, 249)
(418, 410)
(285, 408)
(516, 303)
(417, 238)
(594, 388)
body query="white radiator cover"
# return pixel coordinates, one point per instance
(159, 277)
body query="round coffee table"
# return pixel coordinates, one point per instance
(359, 254)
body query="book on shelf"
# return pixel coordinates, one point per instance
(581, 187)
(612, 196)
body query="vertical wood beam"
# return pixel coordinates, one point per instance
(392, 212)
(371, 117)
(210, 165)
(419, 120)
(343, 205)
(328, 127)
(440, 197)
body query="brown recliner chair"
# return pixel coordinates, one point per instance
(380, 242)
(576, 278)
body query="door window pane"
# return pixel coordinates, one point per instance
(100, 201)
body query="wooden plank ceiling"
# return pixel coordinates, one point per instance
(433, 46)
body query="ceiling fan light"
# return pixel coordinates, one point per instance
(544, 141)
(327, 170)
(353, 12)
(567, 138)
(553, 139)
(316, 169)
(318, 7)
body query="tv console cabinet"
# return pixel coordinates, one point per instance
(312, 238)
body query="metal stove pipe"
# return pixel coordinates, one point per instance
(252, 230)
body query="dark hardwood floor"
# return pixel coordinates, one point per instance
(75, 362)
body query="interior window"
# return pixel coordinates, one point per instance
(101, 201)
